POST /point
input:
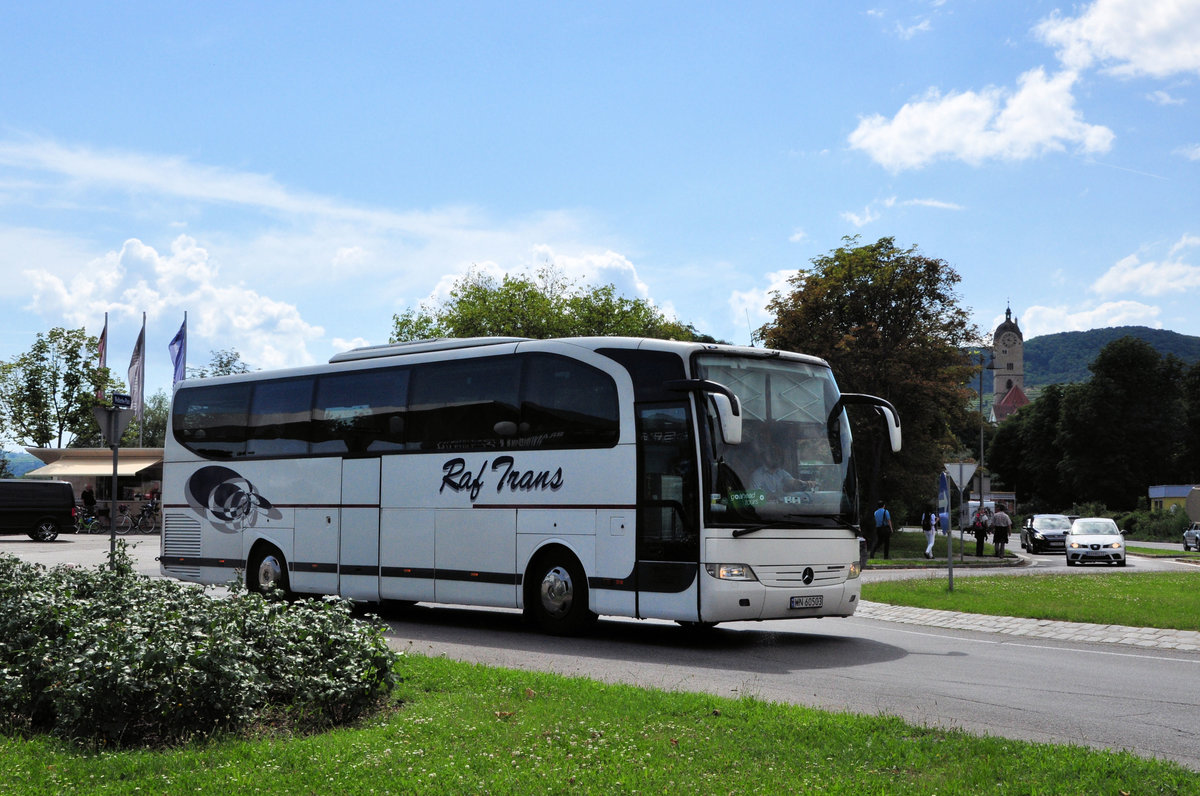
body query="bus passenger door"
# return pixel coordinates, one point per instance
(358, 553)
(668, 533)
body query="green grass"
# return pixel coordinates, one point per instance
(465, 728)
(1155, 552)
(1157, 599)
(908, 548)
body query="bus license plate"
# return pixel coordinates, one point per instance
(808, 601)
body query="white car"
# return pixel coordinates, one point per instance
(1095, 539)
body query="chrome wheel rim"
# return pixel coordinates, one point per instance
(557, 592)
(270, 574)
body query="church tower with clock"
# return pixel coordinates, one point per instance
(1008, 359)
(1008, 356)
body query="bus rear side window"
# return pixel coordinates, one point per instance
(212, 421)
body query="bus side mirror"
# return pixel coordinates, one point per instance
(729, 419)
(892, 421)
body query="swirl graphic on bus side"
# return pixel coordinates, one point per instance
(227, 500)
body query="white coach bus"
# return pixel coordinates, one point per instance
(568, 478)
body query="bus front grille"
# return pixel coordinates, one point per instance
(793, 575)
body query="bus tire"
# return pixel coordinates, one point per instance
(556, 594)
(266, 572)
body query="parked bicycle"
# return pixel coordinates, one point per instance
(87, 522)
(142, 522)
(147, 518)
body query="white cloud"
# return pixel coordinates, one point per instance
(936, 204)
(868, 215)
(1186, 242)
(1131, 275)
(751, 305)
(909, 31)
(1160, 97)
(993, 124)
(797, 236)
(226, 313)
(1128, 37)
(1039, 320)
(1191, 151)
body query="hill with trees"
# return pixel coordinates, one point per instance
(1063, 358)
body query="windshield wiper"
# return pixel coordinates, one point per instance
(839, 521)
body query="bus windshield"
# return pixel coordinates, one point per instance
(793, 465)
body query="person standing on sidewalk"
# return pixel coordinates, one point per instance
(929, 523)
(979, 527)
(1001, 525)
(883, 530)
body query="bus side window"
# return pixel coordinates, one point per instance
(567, 404)
(361, 412)
(280, 415)
(461, 404)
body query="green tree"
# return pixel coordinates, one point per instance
(47, 393)
(548, 305)
(1024, 454)
(889, 323)
(1107, 439)
(1120, 432)
(224, 362)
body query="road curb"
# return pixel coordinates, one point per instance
(1143, 637)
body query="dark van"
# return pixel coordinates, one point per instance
(38, 508)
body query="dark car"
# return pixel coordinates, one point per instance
(38, 508)
(1043, 532)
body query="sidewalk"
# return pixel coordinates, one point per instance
(1186, 640)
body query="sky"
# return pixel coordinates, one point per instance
(291, 175)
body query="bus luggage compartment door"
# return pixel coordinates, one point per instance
(358, 555)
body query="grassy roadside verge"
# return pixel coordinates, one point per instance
(464, 728)
(1156, 599)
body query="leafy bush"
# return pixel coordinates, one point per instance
(107, 657)
(1154, 525)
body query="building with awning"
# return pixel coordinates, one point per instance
(139, 470)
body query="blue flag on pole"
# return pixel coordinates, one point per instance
(178, 349)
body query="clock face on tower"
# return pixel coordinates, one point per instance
(1008, 339)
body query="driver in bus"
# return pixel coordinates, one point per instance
(772, 478)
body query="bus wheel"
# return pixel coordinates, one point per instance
(267, 572)
(558, 596)
(46, 531)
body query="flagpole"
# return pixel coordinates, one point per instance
(142, 388)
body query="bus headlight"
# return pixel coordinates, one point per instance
(730, 571)
(855, 570)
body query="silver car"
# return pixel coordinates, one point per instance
(1095, 539)
(1043, 532)
(1191, 537)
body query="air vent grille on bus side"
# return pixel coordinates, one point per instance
(181, 535)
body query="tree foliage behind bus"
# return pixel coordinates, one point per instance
(546, 306)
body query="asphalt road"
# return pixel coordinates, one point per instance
(1103, 696)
